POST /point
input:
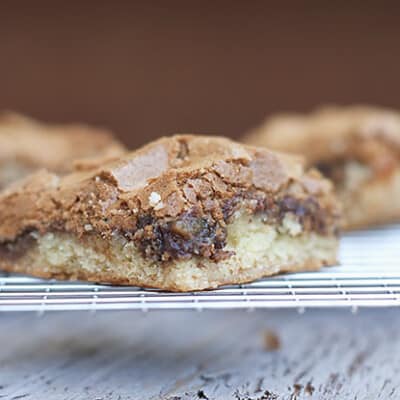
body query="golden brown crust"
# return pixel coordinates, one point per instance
(331, 133)
(30, 145)
(358, 147)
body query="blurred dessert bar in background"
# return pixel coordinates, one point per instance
(27, 145)
(182, 213)
(357, 147)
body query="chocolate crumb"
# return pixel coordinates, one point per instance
(297, 387)
(271, 341)
(296, 391)
(309, 388)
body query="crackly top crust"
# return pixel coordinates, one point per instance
(54, 147)
(164, 180)
(370, 134)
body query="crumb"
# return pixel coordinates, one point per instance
(309, 389)
(296, 391)
(88, 227)
(271, 341)
(154, 199)
(297, 388)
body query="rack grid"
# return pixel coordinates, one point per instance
(368, 276)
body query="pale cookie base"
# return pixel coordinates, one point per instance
(260, 250)
(377, 202)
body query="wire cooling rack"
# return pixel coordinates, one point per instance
(369, 276)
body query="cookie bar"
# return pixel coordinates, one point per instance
(357, 147)
(182, 213)
(27, 145)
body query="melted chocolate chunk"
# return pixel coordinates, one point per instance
(308, 211)
(191, 234)
(12, 251)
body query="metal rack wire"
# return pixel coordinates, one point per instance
(369, 276)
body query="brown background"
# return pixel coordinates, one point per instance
(150, 69)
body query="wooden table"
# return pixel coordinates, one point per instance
(323, 354)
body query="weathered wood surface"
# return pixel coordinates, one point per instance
(327, 354)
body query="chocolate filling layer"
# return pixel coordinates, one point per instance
(191, 234)
(198, 232)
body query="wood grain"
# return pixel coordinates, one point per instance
(211, 355)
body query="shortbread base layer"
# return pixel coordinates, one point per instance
(376, 202)
(258, 250)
